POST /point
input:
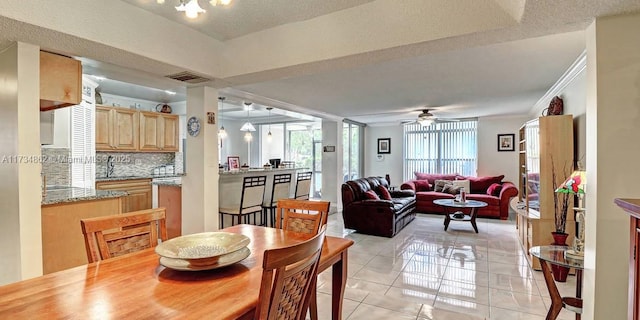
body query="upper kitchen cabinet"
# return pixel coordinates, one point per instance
(60, 81)
(158, 132)
(128, 130)
(116, 129)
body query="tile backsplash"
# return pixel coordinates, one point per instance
(133, 163)
(55, 166)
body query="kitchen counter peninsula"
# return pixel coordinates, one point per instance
(65, 195)
(230, 184)
(62, 210)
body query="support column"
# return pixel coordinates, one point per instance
(613, 92)
(331, 163)
(200, 184)
(20, 197)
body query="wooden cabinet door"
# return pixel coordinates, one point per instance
(138, 199)
(139, 193)
(150, 131)
(104, 129)
(125, 123)
(170, 133)
(60, 81)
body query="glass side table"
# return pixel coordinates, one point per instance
(556, 255)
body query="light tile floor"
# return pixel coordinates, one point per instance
(427, 273)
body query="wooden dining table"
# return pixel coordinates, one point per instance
(136, 286)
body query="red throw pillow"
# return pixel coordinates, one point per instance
(384, 192)
(494, 189)
(432, 177)
(371, 195)
(422, 185)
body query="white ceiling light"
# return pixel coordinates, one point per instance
(191, 8)
(247, 126)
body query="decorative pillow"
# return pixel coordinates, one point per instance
(466, 184)
(481, 184)
(432, 177)
(438, 185)
(451, 189)
(371, 195)
(494, 189)
(384, 192)
(422, 185)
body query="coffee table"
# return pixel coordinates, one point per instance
(472, 205)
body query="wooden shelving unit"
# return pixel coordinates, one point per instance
(545, 145)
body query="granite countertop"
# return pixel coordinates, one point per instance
(169, 183)
(149, 176)
(252, 170)
(79, 194)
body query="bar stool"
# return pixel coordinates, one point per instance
(303, 185)
(287, 164)
(250, 200)
(280, 190)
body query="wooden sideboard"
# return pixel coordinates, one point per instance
(632, 207)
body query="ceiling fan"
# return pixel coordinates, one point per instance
(426, 118)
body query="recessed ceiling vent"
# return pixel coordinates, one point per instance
(188, 77)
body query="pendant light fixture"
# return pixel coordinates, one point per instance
(247, 126)
(221, 133)
(269, 135)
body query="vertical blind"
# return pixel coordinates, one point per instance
(447, 147)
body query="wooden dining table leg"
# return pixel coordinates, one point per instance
(556, 299)
(338, 284)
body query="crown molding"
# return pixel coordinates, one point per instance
(578, 66)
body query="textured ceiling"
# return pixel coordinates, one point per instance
(242, 17)
(373, 61)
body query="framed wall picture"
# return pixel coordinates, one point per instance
(506, 142)
(384, 145)
(233, 162)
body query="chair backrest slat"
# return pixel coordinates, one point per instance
(115, 235)
(303, 216)
(303, 185)
(288, 276)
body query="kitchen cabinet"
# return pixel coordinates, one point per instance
(127, 130)
(158, 132)
(139, 190)
(60, 81)
(62, 240)
(116, 129)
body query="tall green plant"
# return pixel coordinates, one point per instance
(560, 200)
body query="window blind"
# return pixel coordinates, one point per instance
(447, 147)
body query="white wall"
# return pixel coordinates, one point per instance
(612, 117)
(234, 144)
(492, 162)
(391, 163)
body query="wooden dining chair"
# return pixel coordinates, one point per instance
(288, 279)
(116, 235)
(303, 216)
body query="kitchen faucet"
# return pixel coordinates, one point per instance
(110, 166)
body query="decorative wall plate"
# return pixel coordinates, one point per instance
(193, 126)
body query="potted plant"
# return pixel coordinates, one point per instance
(561, 207)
